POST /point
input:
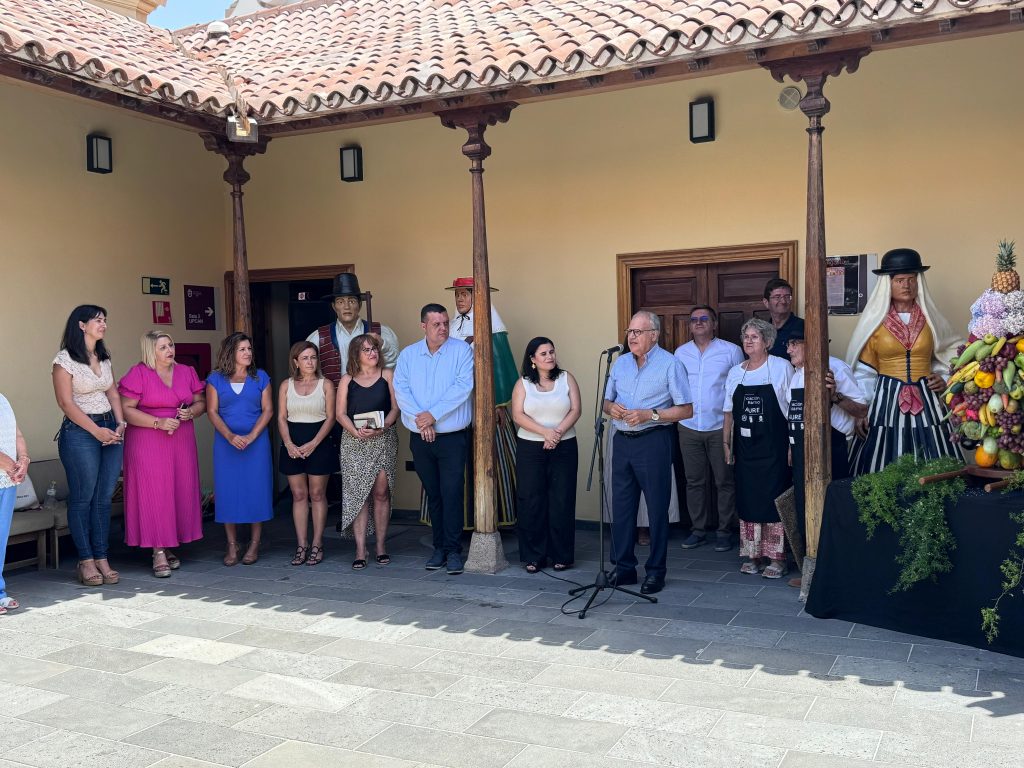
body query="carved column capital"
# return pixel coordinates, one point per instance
(235, 152)
(814, 71)
(475, 120)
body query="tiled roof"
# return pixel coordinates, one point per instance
(323, 56)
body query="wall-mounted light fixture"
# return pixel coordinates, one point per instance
(702, 120)
(99, 154)
(352, 163)
(243, 128)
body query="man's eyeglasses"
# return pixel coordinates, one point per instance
(781, 297)
(701, 319)
(635, 332)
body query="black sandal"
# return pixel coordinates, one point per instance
(300, 555)
(358, 565)
(384, 559)
(532, 567)
(316, 554)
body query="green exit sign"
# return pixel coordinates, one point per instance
(158, 286)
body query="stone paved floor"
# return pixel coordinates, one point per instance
(271, 665)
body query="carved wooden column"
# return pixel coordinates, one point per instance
(486, 554)
(237, 176)
(814, 71)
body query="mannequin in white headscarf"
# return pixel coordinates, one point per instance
(899, 353)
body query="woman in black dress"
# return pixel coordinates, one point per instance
(367, 411)
(305, 417)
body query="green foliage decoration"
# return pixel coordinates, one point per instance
(1012, 568)
(917, 514)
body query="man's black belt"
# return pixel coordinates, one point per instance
(641, 432)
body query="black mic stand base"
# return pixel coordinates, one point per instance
(602, 582)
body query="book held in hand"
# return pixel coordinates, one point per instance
(370, 420)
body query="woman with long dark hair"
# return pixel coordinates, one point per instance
(89, 442)
(305, 417)
(545, 407)
(240, 406)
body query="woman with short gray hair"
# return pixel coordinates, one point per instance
(755, 436)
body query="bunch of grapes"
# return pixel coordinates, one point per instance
(974, 402)
(988, 365)
(1011, 442)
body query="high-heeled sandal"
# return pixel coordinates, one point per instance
(316, 554)
(173, 560)
(161, 570)
(110, 576)
(89, 581)
(249, 559)
(300, 555)
(234, 550)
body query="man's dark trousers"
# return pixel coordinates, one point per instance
(641, 464)
(441, 467)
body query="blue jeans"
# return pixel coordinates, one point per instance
(92, 471)
(7, 497)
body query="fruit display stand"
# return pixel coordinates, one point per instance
(999, 478)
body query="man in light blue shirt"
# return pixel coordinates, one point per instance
(647, 393)
(708, 360)
(433, 385)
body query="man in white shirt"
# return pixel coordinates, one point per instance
(707, 360)
(333, 339)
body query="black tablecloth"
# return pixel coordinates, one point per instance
(853, 576)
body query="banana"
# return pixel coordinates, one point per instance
(984, 415)
(998, 345)
(970, 352)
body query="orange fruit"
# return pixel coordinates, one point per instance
(984, 459)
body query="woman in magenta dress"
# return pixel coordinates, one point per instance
(160, 399)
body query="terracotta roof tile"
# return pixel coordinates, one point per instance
(329, 55)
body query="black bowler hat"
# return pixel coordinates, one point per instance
(345, 284)
(901, 261)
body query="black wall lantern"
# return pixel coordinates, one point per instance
(352, 163)
(99, 151)
(702, 120)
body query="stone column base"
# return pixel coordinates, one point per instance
(486, 554)
(806, 576)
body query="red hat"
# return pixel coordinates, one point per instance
(463, 282)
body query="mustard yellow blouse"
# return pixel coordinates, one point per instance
(889, 357)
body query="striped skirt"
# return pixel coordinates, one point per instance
(892, 433)
(504, 475)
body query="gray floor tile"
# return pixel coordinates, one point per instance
(439, 713)
(16, 699)
(868, 649)
(192, 649)
(187, 703)
(571, 655)
(876, 692)
(276, 639)
(31, 645)
(209, 677)
(960, 701)
(177, 761)
(688, 669)
(631, 642)
(105, 635)
(400, 655)
(933, 751)
(15, 733)
(738, 699)
(499, 693)
(457, 750)
(1005, 731)
(696, 722)
(364, 628)
(906, 672)
(692, 630)
(602, 681)
(507, 611)
(796, 759)
(104, 659)
(99, 686)
(419, 602)
(968, 657)
(346, 729)
(180, 625)
(390, 678)
(620, 622)
(299, 692)
(1003, 682)
(291, 663)
(349, 595)
(809, 626)
(455, 663)
(574, 734)
(617, 604)
(107, 721)
(865, 632)
(52, 751)
(548, 634)
(661, 610)
(295, 753)
(794, 660)
(891, 718)
(827, 739)
(545, 757)
(683, 751)
(464, 591)
(204, 741)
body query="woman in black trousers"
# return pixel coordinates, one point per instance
(545, 407)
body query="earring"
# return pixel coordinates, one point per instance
(534, 366)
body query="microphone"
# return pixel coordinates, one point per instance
(614, 350)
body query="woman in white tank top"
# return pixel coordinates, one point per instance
(545, 407)
(305, 416)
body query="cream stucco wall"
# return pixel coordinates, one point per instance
(71, 237)
(921, 150)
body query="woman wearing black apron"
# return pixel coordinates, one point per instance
(756, 441)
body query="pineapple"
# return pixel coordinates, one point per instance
(1006, 278)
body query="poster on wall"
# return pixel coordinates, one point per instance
(849, 281)
(162, 313)
(200, 310)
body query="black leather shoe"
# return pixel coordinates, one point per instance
(651, 585)
(622, 578)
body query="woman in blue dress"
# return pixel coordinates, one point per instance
(240, 406)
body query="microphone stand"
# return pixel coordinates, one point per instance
(603, 579)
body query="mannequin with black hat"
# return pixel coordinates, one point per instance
(333, 339)
(899, 353)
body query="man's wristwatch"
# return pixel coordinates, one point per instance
(654, 415)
